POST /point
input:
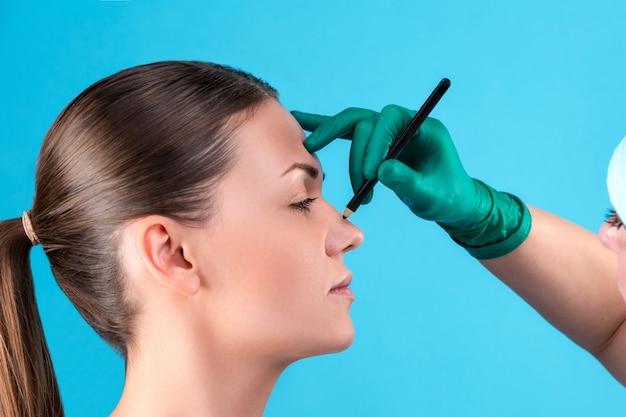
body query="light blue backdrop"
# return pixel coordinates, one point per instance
(536, 107)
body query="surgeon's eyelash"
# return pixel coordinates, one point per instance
(303, 205)
(612, 219)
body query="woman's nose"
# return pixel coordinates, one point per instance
(344, 237)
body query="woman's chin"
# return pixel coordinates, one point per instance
(342, 340)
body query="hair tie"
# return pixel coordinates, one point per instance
(28, 228)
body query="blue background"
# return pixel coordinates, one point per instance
(535, 108)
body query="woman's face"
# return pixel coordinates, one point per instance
(273, 274)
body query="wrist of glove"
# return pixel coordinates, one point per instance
(505, 224)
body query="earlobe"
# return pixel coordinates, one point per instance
(160, 244)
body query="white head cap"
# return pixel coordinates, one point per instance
(616, 179)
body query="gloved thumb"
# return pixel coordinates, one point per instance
(410, 186)
(401, 179)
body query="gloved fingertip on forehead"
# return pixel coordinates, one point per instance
(312, 145)
(308, 121)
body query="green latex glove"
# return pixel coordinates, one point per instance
(428, 176)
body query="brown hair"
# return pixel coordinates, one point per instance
(152, 139)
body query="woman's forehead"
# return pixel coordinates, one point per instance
(273, 138)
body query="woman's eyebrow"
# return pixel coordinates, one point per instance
(309, 169)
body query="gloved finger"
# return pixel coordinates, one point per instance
(431, 150)
(400, 178)
(309, 121)
(391, 121)
(360, 140)
(339, 126)
(409, 185)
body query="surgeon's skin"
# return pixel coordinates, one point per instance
(568, 274)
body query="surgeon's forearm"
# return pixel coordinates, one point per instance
(564, 272)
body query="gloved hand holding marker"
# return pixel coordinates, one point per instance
(427, 175)
(398, 145)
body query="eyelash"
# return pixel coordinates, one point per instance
(303, 205)
(612, 218)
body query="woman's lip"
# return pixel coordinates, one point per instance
(342, 291)
(344, 282)
(342, 287)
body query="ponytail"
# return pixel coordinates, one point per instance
(28, 386)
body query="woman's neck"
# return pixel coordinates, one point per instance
(180, 372)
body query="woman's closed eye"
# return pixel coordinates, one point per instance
(303, 205)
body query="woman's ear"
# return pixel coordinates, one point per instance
(160, 243)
